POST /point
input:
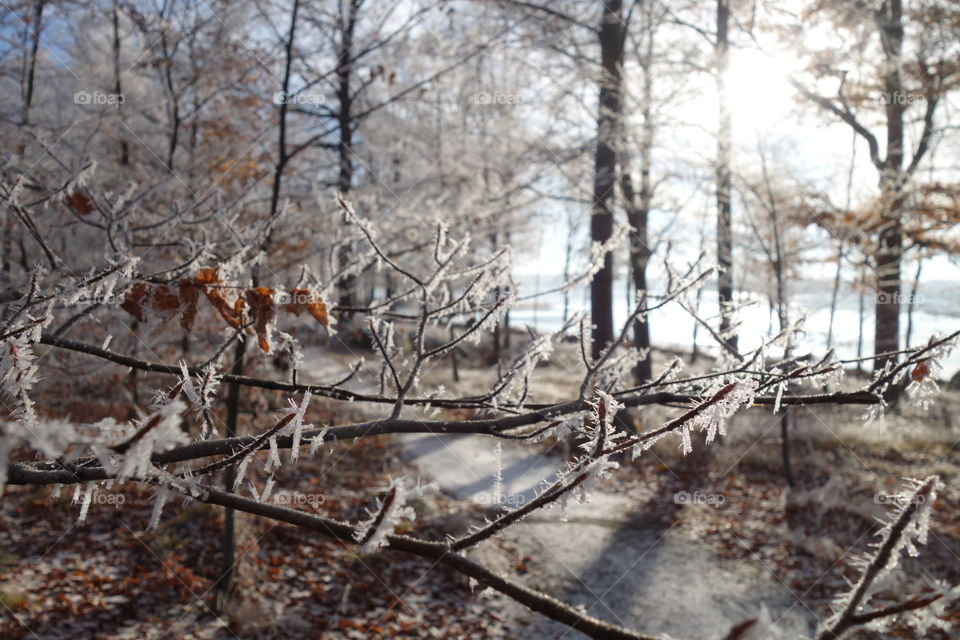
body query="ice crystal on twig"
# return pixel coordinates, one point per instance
(724, 399)
(85, 501)
(296, 426)
(391, 509)
(158, 502)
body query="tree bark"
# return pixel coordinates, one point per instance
(890, 246)
(605, 169)
(724, 207)
(30, 61)
(637, 214)
(834, 294)
(638, 210)
(567, 256)
(345, 126)
(228, 545)
(861, 312)
(912, 301)
(173, 98)
(117, 84)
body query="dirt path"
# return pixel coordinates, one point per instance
(618, 567)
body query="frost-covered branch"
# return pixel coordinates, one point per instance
(907, 529)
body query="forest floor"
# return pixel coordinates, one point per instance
(742, 545)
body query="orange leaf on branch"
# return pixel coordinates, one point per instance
(189, 294)
(206, 277)
(142, 298)
(81, 204)
(920, 371)
(260, 301)
(208, 280)
(302, 300)
(134, 299)
(165, 300)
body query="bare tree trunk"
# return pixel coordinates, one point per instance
(225, 584)
(118, 86)
(497, 335)
(173, 100)
(282, 157)
(506, 315)
(724, 191)
(695, 348)
(637, 214)
(30, 61)
(345, 126)
(605, 169)
(454, 368)
(778, 259)
(567, 256)
(638, 210)
(835, 293)
(912, 301)
(890, 246)
(860, 318)
(887, 303)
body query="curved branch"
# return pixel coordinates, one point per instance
(847, 116)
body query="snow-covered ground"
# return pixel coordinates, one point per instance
(620, 568)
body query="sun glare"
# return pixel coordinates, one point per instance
(760, 93)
